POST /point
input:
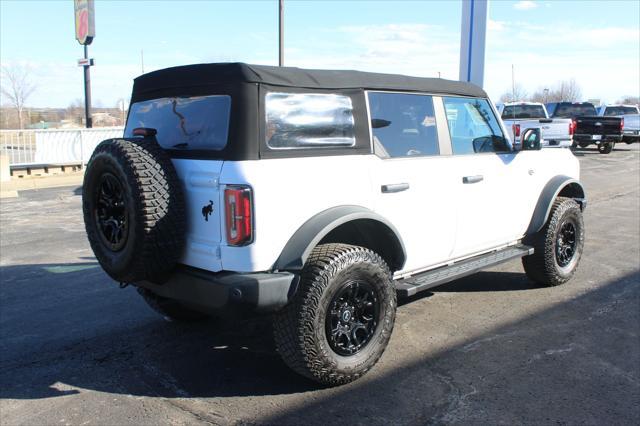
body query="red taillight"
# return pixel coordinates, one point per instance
(238, 212)
(572, 127)
(621, 124)
(516, 130)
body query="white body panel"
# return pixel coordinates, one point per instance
(439, 218)
(200, 183)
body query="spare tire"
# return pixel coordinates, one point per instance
(133, 208)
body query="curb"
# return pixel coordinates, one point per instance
(41, 183)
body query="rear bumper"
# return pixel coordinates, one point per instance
(589, 138)
(226, 291)
(557, 143)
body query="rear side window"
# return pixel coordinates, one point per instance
(574, 110)
(620, 110)
(197, 123)
(516, 112)
(473, 127)
(403, 125)
(308, 120)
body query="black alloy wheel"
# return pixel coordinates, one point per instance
(110, 212)
(566, 243)
(352, 317)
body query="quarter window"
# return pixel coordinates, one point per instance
(473, 127)
(309, 120)
(403, 125)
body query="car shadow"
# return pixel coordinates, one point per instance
(67, 327)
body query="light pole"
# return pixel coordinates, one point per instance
(546, 95)
(280, 33)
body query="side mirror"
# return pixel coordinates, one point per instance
(531, 140)
(379, 123)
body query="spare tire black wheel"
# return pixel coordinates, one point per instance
(133, 209)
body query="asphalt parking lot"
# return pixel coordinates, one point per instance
(492, 348)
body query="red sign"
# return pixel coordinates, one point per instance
(85, 21)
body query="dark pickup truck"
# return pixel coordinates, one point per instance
(588, 126)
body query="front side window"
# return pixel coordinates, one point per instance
(403, 125)
(308, 120)
(196, 123)
(473, 127)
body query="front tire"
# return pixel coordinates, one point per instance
(558, 245)
(340, 320)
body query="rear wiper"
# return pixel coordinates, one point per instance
(181, 145)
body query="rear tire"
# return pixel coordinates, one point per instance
(606, 148)
(340, 320)
(169, 308)
(558, 245)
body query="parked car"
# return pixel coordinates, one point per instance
(320, 197)
(517, 116)
(589, 127)
(631, 116)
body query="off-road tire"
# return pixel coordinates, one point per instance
(171, 309)
(542, 266)
(299, 329)
(606, 148)
(153, 197)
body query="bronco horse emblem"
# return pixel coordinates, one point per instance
(207, 210)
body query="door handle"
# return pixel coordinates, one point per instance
(394, 187)
(472, 179)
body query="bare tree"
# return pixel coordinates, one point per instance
(17, 87)
(564, 91)
(569, 91)
(518, 93)
(629, 100)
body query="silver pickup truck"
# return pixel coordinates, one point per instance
(631, 116)
(517, 116)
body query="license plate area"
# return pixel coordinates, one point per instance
(596, 137)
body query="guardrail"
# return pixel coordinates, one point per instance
(53, 146)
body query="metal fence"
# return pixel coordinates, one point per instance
(53, 146)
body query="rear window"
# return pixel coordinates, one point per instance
(523, 111)
(620, 110)
(308, 120)
(574, 110)
(196, 123)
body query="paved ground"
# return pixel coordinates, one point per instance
(489, 349)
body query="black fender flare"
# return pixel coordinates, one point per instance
(302, 242)
(557, 186)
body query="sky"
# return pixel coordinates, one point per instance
(597, 43)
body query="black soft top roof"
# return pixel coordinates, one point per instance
(171, 80)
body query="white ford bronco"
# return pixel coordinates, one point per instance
(319, 197)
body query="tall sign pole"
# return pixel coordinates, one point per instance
(473, 40)
(85, 32)
(280, 33)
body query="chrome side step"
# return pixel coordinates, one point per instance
(426, 280)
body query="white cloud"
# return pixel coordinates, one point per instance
(525, 5)
(413, 49)
(495, 25)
